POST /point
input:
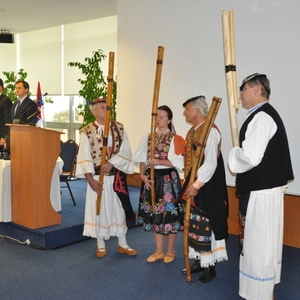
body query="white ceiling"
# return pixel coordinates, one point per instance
(18, 16)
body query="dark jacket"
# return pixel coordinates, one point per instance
(5, 115)
(25, 113)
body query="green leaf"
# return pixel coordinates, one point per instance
(93, 85)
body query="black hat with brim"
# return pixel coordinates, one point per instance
(255, 76)
(191, 100)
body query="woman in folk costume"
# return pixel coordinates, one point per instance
(168, 213)
(115, 205)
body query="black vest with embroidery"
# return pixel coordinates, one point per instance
(275, 168)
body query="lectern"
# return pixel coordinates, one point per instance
(33, 154)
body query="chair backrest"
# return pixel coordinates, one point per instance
(68, 153)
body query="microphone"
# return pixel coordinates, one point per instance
(18, 121)
(31, 116)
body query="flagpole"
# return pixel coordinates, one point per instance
(43, 117)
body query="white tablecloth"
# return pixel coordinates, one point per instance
(5, 189)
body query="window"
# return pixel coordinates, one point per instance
(61, 116)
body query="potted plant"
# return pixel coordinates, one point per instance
(94, 85)
(9, 83)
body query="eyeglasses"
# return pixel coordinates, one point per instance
(243, 88)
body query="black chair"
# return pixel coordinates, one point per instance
(68, 153)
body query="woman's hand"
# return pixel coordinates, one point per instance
(147, 181)
(154, 162)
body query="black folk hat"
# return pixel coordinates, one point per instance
(191, 100)
(259, 77)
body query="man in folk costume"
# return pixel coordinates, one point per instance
(115, 205)
(263, 166)
(208, 227)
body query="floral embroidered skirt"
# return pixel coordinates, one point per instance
(168, 212)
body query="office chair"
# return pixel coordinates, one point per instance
(68, 154)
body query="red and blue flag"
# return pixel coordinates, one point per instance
(39, 104)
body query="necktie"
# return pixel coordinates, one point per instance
(17, 106)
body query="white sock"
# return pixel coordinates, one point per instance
(100, 243)
(122, 241)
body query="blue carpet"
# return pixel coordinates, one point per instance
(74, 272)
(71, 228)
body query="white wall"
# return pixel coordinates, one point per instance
(267, 41)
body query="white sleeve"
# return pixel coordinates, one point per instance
(140, 155)
(123, 159)
(207, 169)
(258, 134)
(84, 163)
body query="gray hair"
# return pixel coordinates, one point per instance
(200, 102)
(265, 85)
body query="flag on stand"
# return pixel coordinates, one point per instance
(39, 104)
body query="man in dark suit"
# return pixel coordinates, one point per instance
(5, 117)
(24, 110)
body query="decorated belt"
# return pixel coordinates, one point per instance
(112, 172)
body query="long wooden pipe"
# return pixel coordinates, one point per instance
(230, 72)
(201, 143)
(159, 63)
(110, 80)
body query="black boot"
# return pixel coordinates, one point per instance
(196, 267)
(6, 156)
(208, 274)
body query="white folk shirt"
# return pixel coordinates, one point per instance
(112, 220)
(258, 134)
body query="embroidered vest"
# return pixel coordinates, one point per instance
(190, 147)
(162, 145)
(96, 140)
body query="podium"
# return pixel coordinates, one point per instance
(33, 154)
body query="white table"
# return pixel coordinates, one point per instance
(5, 189)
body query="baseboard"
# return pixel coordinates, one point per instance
(291, 235)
